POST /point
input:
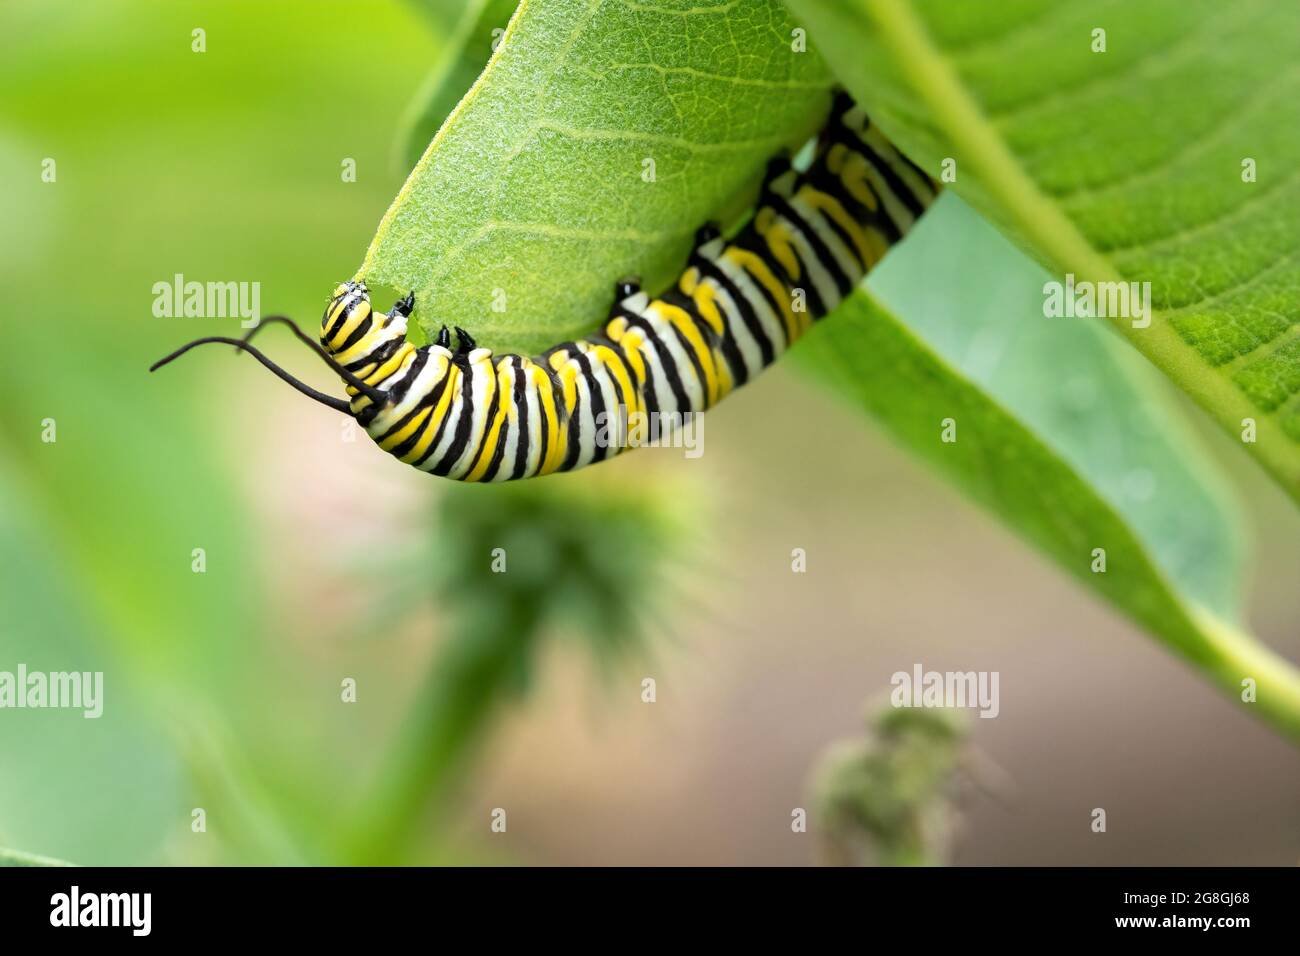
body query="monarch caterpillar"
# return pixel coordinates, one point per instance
(740, 303)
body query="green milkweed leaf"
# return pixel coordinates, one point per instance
(1085, 462)
(1121, 155)
(469, 47)
(596, 141)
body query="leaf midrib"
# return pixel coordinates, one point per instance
(938, 85)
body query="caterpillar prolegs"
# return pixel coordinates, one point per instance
(467, 414)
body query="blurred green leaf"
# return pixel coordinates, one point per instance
(442, 15)
(146, 468)
(1073, 459)
(530, 202)
(468, 49)
(512, 564)
(1183, 93)
(16, 858)
(48, 755)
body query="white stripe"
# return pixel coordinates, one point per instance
(750, 351)
(813, 268)
(772, 323)
(667, 333)
(820, 223)
(428, 378)
(482, 372)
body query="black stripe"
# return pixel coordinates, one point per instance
(748, 314)
(357, 334)
(341, 319)
(697, 366)
(925, 177)
(597, 404)
(823, 253)
(879, 218)
(723, 343)
(489, 421)
(847, 241)
(431, 399)
(666, 360)
(461, 438)
(574, 425)
(521, 419)
(503, 439)
(645, 387)
(751, 241)
(820, 177)
(545, 429)
(921, 201)
(812, 298)
(398, 391)
(442, 426)
(620, 403)
(377, 357)
(895, 183)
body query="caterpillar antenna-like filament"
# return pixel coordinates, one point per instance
(327, 400)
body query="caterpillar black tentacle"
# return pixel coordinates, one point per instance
(739, 304)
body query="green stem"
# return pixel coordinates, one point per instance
(450, 714)
(1230, 656)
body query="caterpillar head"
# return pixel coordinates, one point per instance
(348, 310)
(350, 329)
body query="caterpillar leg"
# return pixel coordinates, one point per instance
(624, 289)
(706, 234)
(779, 178)
(464, 342)
(403, 306)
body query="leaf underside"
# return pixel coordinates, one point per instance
(1100, 464)
(1123, 164)
(600, 136)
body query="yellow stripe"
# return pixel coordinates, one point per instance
(359, 315)
(629, 343)
(406, 431)
(493, 436)
(559, 449)
(475, 440)
(855, 181)
(868, 253)
(359, 349)
(430, 428)
(614, 362)
(421, 447)
(758, 270)
(682, 321)
(778, 239)
(388, 368)
(703, 294)
(550, 420)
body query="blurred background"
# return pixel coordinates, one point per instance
(325, 562)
